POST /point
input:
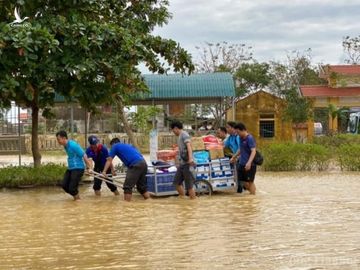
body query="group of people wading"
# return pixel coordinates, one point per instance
(240, 147)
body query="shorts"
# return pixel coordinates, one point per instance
(184, 174)
(136, 176)
(246, 176)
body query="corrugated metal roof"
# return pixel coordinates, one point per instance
(177, 86)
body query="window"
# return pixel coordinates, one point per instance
(267, 126)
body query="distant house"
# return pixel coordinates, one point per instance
(263, 115)
(342, 90)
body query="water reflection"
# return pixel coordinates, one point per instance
(297, 221)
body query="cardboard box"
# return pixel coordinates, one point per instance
(197, 144)
(216, 153)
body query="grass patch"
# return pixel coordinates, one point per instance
(349, 157)
(46, 175)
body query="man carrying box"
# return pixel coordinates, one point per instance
(185, 160)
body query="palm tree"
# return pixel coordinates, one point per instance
(336, 114)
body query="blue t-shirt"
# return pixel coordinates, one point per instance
(99, 157)
(127, 153)
(232, 142)
(75, 155)
(245, 149)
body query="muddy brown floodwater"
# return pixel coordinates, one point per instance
(297, 221)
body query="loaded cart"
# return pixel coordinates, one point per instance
(216, 175)
(162, 184)
(219, 173)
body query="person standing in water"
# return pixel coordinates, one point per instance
(185, 161)
(76, 166)
(246, 165)
(136, 164)
(99, 153)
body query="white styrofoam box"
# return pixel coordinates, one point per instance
(216, 161)
(224, 182)
(202, 169)
(201, 176)
(216, 168)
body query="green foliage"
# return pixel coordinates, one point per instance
(335, 141)
(143, 116)
(295, 71)
(348, 157)
(335, 112)
(298, 109)
(46, 175)
(292, 157)
(88, 51)
(252, 77)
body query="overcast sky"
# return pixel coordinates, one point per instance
(272, 27)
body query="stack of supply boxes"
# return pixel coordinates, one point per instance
(211, 164)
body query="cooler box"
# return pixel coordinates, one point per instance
(161, 184)
(201, 157)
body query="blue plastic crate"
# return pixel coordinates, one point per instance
(163, 182)
(201, 157)
(166, 188)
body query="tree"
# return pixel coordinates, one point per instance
(222, 56)
(336, 114)
(351, 46)
(296, 70)
(143, 116)
(286, 78)
(251, 77)
(298, 109)
(88, 51)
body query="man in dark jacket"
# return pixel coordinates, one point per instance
(99, 153)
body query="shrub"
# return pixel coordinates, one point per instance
(292, 157)
(46, 175)
(336, 141)
(278, 157)
(349, 157)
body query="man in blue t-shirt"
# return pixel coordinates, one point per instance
(136, 164)
(99, 153)
(246, 166)
(76, 166)
(233, 141)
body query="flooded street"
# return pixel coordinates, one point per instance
(296, 221)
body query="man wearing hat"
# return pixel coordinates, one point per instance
(99, 154)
